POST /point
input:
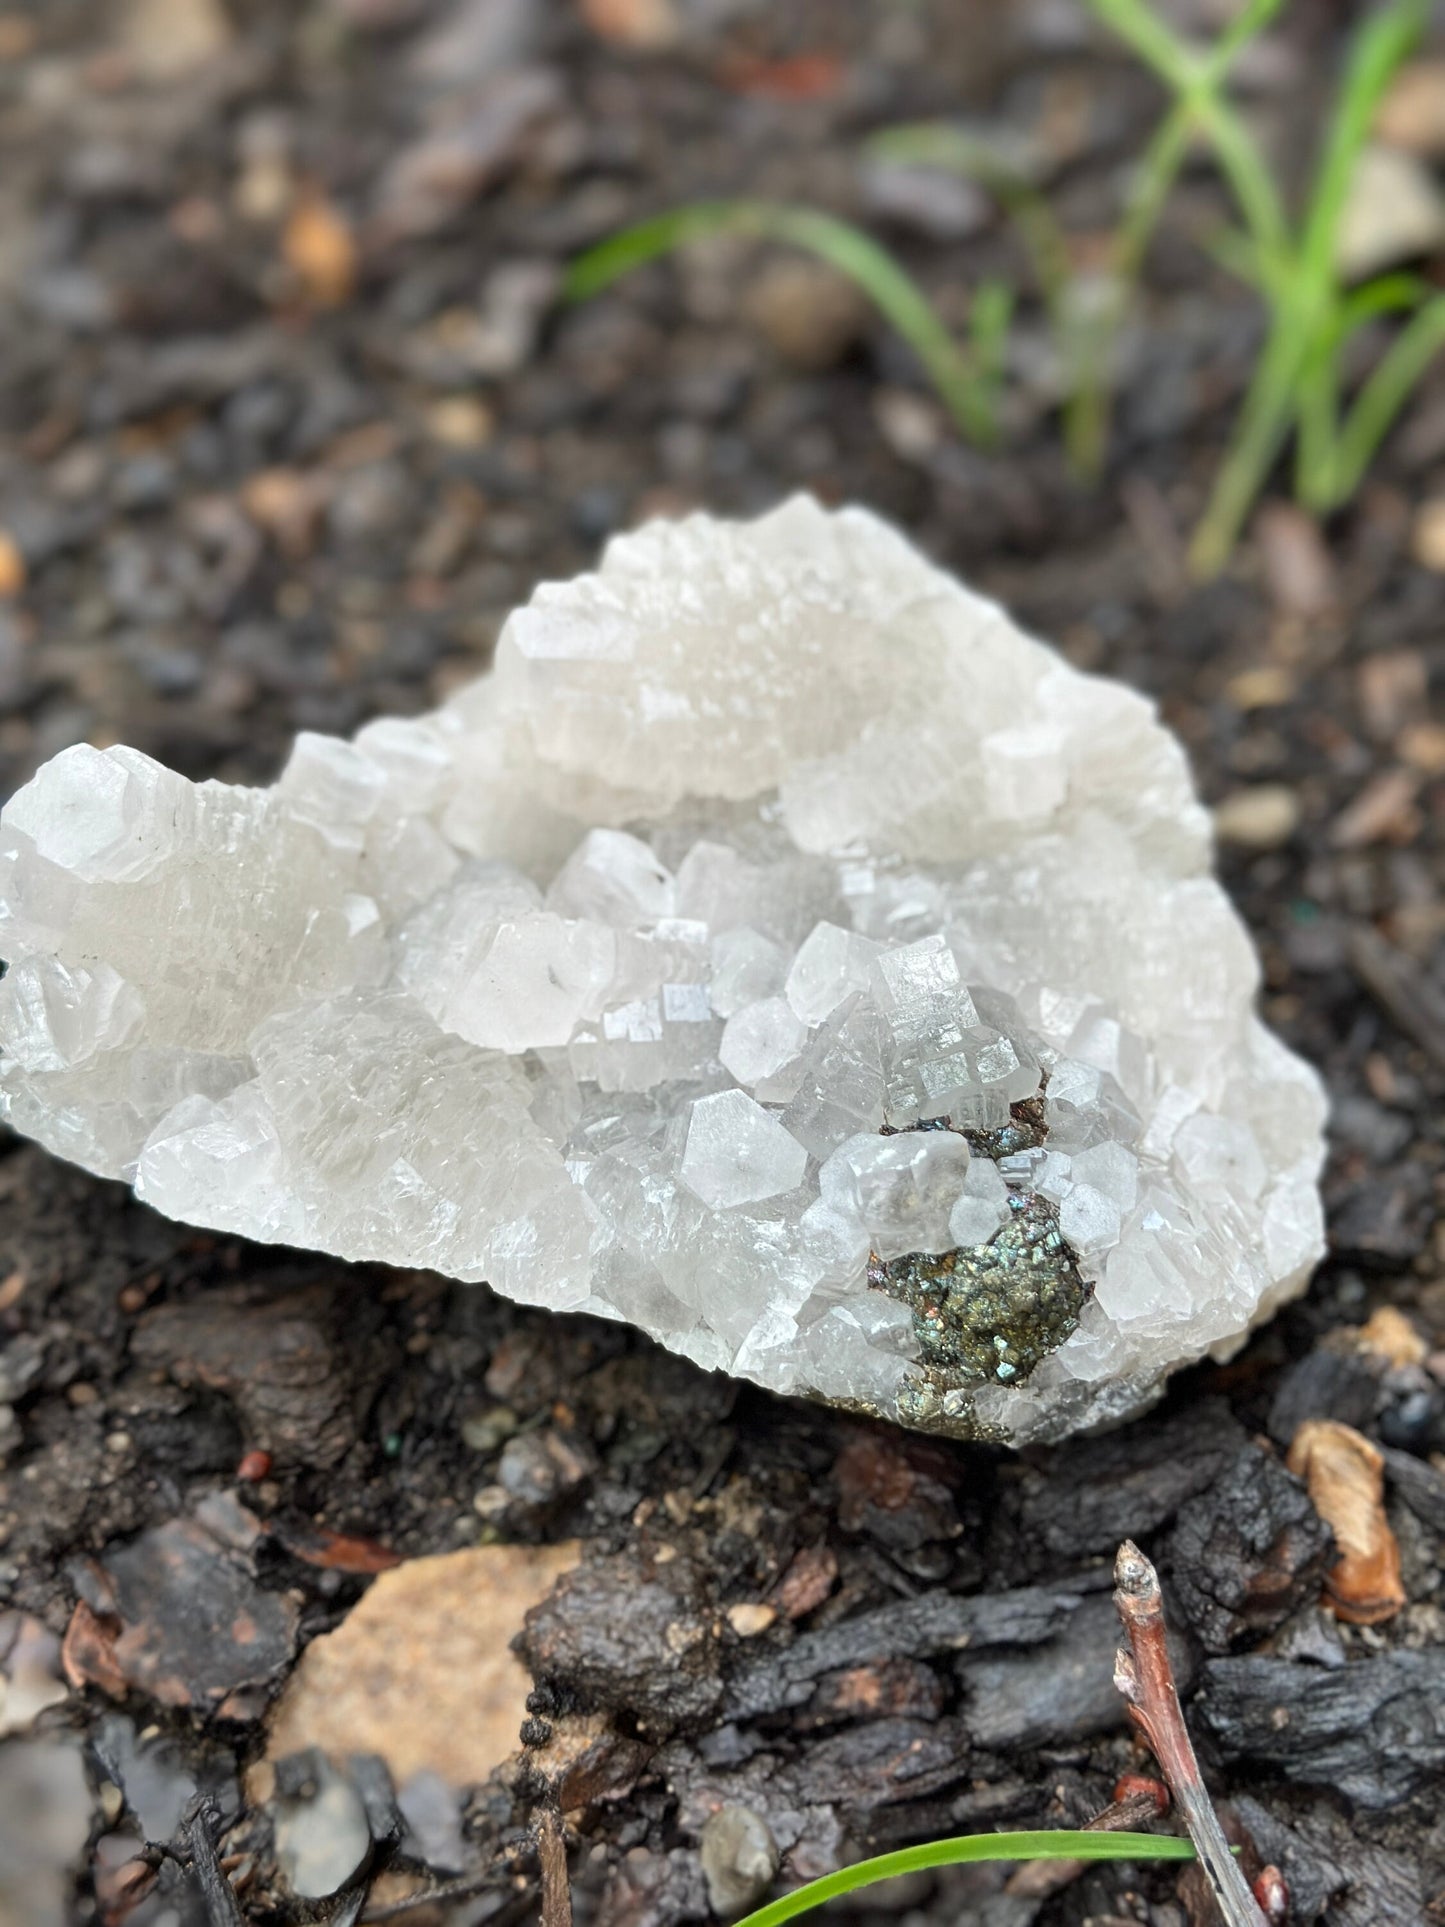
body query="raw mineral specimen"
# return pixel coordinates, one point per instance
(777, 950)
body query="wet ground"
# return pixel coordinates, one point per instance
(289, 418)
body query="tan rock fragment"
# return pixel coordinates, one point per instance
(749, 1618)
(421, 1671)
(1427, 537)
(12, 566)
(1260, 816)
(320, 250)
(1344, 1474)
(1387, 1334)
(1412, 114)
(168, 38)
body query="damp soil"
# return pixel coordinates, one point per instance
(261, 473)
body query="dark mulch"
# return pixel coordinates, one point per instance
(241, 515)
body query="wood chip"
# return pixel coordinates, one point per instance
(1345, 1476)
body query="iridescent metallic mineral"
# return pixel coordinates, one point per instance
(994, 1310)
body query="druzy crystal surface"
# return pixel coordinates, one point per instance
(778, 950)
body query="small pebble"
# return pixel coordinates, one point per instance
(749, 1618)
(1427, 537)
(1263, 688)
(1298, 571)
(739, 1859)
(460, 421)
(1412, 114)
(17, 36)
(633, 23)
(320, 250)
(808, 312)
(1394, 213)
(1261, 817)
(1423, 747)
(485, 1431)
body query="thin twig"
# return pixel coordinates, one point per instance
(444, 1893)
(1144, 1676)
(552, 1859)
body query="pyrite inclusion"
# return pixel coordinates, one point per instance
(778, 950)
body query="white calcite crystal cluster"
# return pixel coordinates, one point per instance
(778, 950)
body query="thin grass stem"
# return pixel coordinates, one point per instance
(1383, 396)
(963, 387)
(966, 1848)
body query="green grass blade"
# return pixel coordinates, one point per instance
(1059, 1845)
(1317, 420)
(650, 240)
(847, 248)
(1382, 44)
(1166, 152)
(1386, 294)
(989, 320)
(1087, 418)
(1189, 75)
(1262, 430)
(1383, 396)
(898, 296)
(1318, 449)
(1083, 342)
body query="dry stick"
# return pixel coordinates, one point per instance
(552, 1859)
(447, 1891)
(1144, 1676)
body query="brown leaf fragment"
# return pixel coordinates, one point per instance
(337, 1551)
(88, 1653)
(1344, 1474)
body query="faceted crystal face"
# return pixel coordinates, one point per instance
(778, 950)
